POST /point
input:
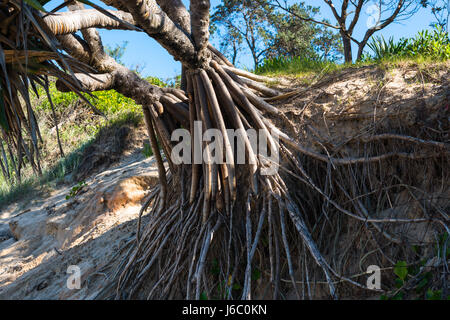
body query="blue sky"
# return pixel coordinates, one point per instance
(142, 50)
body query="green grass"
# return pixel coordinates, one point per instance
(53, 175)
(428, 46)
(296, 66)
(33, 184)
(147, 151)
(307, 70)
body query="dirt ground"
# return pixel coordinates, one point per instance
(41, 239)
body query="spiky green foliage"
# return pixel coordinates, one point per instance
(434, 44)
(29, 54)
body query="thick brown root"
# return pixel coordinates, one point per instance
(236, 220)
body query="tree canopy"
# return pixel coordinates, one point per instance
(258, 29)
(347, 15)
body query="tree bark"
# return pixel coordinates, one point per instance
(200, 25)
(92, 82)
(363, 44)
(177, 12)
(115, 75)
(73, 21)
(160, 27)
(346, 41)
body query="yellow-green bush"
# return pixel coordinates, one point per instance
(109, 102)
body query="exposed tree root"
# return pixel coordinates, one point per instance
(232, 217)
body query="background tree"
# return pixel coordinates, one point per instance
(248, 22)
(441, 11)
(268, 33)
(329, 45)
(293, 37)
(117, 51)
(230, 40)
(382, 14)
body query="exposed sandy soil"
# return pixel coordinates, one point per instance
(356, 101)
(42, 239)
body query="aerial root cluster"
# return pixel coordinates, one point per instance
(226, 215)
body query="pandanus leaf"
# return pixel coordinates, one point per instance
(3, 119)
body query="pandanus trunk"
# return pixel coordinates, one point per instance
(219, 99)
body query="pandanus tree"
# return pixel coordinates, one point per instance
(203, 213)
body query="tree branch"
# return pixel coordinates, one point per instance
(200, 24)
(73, 21)
(160, 27)
(91, 82)
(114, 75)
(385, 23)
(91, 35)
(335, 13)
(389, 20)
(356, 16)
(344, 9)
(308, 19)
(177, 12)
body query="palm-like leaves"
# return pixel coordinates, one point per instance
(434, 44)
(29, 54)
